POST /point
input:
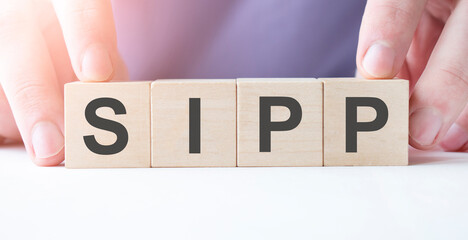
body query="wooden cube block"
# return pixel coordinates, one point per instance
(193, 123)
(107, 125)
(365, 122)
(279, 122)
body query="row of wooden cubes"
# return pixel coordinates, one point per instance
(236, 122)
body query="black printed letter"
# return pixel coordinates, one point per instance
(106, 124)
(267, 126)
(194, 125)
(353, 126)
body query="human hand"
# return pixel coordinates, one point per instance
(424, 41)
(43, 45)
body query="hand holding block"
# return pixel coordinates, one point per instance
(107, 125)
(193, 123)
(365, 122)
(279, 122)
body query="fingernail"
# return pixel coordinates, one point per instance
(96, 64)
(455, 138)
(47, 140)
(379, 60)
(425, 124)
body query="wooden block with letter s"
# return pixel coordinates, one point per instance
(107, 125)
(279, 122)
(365, 122)
(193, 123)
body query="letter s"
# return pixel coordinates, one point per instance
(106, 124)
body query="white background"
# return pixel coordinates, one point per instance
(426, 200)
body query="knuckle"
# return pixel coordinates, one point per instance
(28, 95)
(85, 9)
(455, 75)
(13, 19)
(83, 14)
(396, 15)
(396, 10)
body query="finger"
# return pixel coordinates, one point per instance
(8, 127)
(442, 91)
(89, 32)
(456, 138)
(28, 79)
(387, 29)
(424, 40)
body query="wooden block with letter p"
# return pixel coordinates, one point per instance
(279, 122)
(365, 122)
(193, 123)
(107, 125)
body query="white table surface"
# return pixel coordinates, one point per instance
(426, 200)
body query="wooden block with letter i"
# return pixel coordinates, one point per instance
(193, 123)
(279, 122)
(365, 122)
(107, 125)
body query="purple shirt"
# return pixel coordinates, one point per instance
(238, 38)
